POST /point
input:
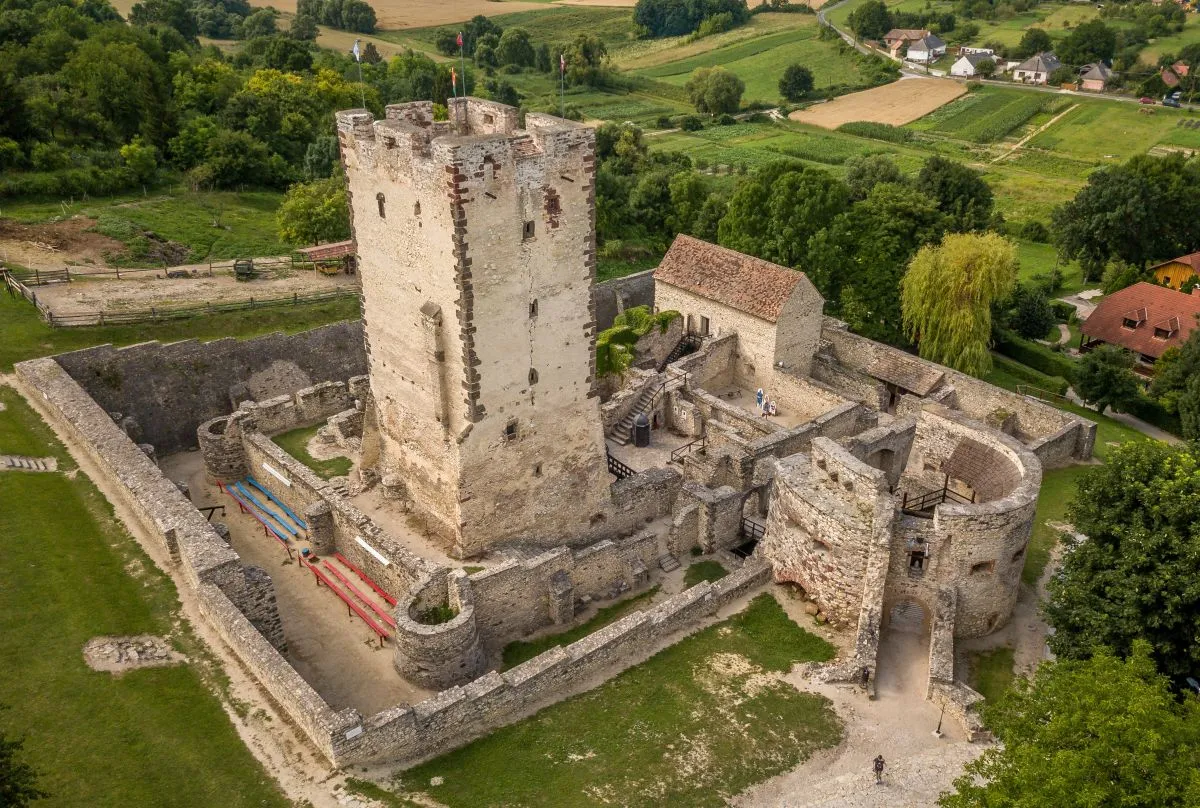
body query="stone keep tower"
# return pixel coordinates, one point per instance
(476, 242)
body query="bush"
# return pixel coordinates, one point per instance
(1153, 412)
(726, 120)
(72, 182)
(878, 131)
(1033, 355)
(1033, 230)
(663, 122)
(1064, 312)
(691, 123)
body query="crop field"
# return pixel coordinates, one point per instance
(644, 53)
(1110, 132)
(897, 103)
(760, 62)
(984, 116)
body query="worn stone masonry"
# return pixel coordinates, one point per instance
(476, 245)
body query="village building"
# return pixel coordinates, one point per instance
(898, 39)
(1095, 77)
(1178, 271)
(928, 48)
(1037, 69)
(967, 64)
(1145, 318)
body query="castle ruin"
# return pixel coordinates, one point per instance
(899, 494)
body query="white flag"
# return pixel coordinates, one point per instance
(357, 53)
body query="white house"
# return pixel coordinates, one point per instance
(968, 63)
(928, 48)
(1036, 69)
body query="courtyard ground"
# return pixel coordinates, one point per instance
(694, 725)
(71, 572)
(897, 103)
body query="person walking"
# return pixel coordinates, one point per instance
(878, 770)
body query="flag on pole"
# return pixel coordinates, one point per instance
(454, 82)
(562, 63)
(357, 53)
(459, 40)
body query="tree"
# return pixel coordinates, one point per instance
(677, 17)
(858, 260)
(774, 213)
(259, 23)
(1091, 41)
(985, 69)
(515, 48)
(1118, 275)
(304, 28)
(871, 20)
(1104, 378)
(18, 780)
(141, 158)
(1033, 41)
(1137, 574)
(587, 60)
(946, 298)
(796, 82)
(172, 13)
(315, 212)
(1177, 383)
(959, 191)
(864, 172)
(1096, 732)
(371, 55)
(1029, 312)
(1142, 210)
(715, 90)
(320, 157)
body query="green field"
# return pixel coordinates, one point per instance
(149, 737)
(1112, 132)
(214, 225)
(760, 62)
(24, 335)
(295, 443)
(984, 116)
(990, 672)
(696, 723)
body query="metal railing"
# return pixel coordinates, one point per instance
(921, 505)
(687, 448)
(619, 469)
(752, 530)
(688, 344)
(1044, 395)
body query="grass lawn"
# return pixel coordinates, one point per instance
(693, 725)
(517, 652)
(23, 334)
(708, 570)
(150, 737)
(991, 672)
(295, 443)
(1042, 259)
(1058, 489)
(1111, 132)
(246, 220)
(760, 62)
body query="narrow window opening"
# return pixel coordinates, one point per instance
(527, 231)
(983, 567)
(1017, 555)
(416, 209)
(916, 560)
(488, 118)
(533, 376)
(537, 470)
(379, 201)
(552, 204)
(533, 310)
(704, 326)
(510, 430)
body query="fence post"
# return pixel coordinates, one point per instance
(118, 273)
(153, 313)
(251, 302)
(101, 317)
(37, 276)
(295, 299)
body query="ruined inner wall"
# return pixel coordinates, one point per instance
(171, 389)
(476, 242)
(828, 509)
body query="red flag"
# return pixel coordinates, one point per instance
(453, 79)
(562, 63)
(460, 39)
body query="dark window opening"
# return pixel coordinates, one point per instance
(527, 231)
(379, 201)
(533, 377)
(552, 204)
(533, 309)
(510, 430)
(1017, 555)
(983, 567)
(916, 560)
(488, 118)
(537, 470)
(704, 326)
(416, 209)
(1162, 333)
(1129, 323)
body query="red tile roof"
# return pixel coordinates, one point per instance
(1192, 260)
(323, 251)
(739, 281)
(1153, 307)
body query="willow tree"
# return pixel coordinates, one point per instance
(946, 298)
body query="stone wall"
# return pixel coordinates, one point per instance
(755, 355)
(169, 389)
(454, 717)
(612, 297)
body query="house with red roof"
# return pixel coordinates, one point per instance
(1145, 318)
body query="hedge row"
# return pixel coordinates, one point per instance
(1035, 356)
(1054, 384)
(75, 182)
(1152, 412)
(878, 131)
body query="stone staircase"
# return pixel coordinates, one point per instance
(21, 463)
(622, 433)
(668, 563)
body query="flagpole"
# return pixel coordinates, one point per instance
(562, 85)
(358, 60)
(462, 60)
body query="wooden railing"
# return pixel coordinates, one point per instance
(619, 469)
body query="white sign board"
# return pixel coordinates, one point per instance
(378, 555)
(269, 469)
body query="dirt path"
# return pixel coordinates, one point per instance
(897, 103)
(1034, 134)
